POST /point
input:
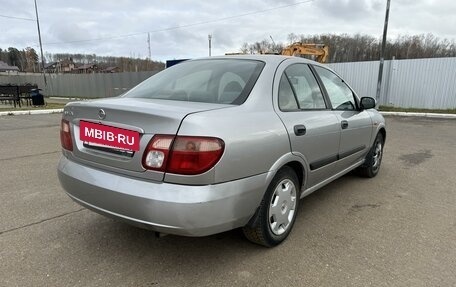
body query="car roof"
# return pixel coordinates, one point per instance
(267, 58)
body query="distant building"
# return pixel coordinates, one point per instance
(87, 69)
(66, 66)
(111, 70)
(51, 67)
(4, 67)
(63, 66)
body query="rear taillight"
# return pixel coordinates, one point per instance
(194, 155)
(157, 152)
(182, 154)
(65, 135)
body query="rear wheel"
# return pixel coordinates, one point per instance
(373, 159)
(277, 212)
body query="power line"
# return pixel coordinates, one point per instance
(182, 26)
(17, 18)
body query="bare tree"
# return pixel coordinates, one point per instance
(359, 47)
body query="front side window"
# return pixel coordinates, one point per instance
(222, 81)
(339, 93)
(299, 87)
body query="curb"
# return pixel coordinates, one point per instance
(425, 115)
(31, 112)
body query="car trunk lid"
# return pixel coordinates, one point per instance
(144, 116)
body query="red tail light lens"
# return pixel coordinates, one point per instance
(65, 135)
(194, 155)
(183, 154)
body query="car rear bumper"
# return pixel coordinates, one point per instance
(164, 207)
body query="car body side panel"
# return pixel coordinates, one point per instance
(254, 136)
(254, 140)
(321, 141)
(379, 123)
(355, 140)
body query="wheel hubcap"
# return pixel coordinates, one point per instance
(377, 158)
(282, 207)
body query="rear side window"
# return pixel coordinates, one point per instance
(299, 90)
(287, 99)
(339, 93)
(223, 81)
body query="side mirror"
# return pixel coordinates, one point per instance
(367, 103)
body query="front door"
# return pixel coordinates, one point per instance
(355, 124)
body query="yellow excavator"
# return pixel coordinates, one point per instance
(320, 51)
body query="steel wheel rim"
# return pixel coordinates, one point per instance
(377, 158)
(282, 207)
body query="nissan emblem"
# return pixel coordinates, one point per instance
(101, 114)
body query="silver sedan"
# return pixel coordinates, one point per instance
(214, 144)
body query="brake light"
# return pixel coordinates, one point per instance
(194, 155)
(65, 135)
(183, 154)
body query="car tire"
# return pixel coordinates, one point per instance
(371, 166)
(276, 215)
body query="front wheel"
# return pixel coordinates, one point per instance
(277, 212)
(373, 159)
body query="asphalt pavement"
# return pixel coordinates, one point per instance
(398, 229)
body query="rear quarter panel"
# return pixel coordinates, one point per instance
(254, 140)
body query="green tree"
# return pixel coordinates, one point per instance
(15, 57)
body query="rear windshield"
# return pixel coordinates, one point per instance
(222, 81)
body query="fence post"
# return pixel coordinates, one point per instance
(388, 84)
(392, 72)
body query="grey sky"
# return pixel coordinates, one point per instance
(69, 21)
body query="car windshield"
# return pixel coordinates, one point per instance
(222, 81)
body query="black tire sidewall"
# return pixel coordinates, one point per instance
(370, 168)
(271, 238)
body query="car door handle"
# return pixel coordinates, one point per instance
(344, 124)
(300, 130)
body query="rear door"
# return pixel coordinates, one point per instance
(355, 125)
(313, 128)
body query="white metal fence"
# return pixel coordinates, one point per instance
(98, 85)
(417, 83)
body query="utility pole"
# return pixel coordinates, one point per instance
(41, 45)
(148, 43)
(382, 53)
(273, 44)
(209, 37)
(272, 40)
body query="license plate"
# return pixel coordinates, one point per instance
(108, 136)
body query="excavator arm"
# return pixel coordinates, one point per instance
(320, 51)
